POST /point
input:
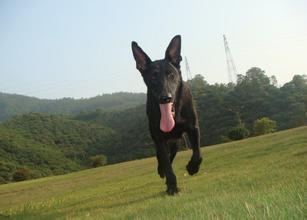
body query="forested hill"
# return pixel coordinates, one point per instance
(42, 144)
(11, 104)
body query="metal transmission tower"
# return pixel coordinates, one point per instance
(231, 67)
(187, 69)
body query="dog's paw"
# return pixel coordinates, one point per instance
(193, 166)
(161, 172)
(171, 191)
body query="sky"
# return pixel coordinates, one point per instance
(76, 48)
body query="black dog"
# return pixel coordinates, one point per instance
(169, 108)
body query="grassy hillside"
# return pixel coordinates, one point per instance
(257, 178)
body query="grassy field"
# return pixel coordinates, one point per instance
(257, 178)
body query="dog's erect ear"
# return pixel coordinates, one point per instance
(141, 58)
(173, 51)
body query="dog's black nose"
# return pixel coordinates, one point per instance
(166, 99)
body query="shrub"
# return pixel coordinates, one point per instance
(98, 160)
(218, 139)
(2, 180)
(264, 126)
(22, 174)
(238, 133)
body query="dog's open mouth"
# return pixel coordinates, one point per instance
(167, 121)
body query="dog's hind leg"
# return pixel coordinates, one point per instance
(196, 159)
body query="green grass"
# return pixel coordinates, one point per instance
(257, 178)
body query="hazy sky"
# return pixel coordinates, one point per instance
(55, 49)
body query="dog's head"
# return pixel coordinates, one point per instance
(162, 78)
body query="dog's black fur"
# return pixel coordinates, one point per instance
(164, 84)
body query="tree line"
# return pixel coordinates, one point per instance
(12, 104)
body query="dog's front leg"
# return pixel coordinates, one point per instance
(166, 167)
(196, 159)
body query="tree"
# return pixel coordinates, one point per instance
(264, 126)
(292, 103)
(238, 133)
(197, 85)
(253, 96)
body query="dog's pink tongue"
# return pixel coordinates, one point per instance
(167, 122)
